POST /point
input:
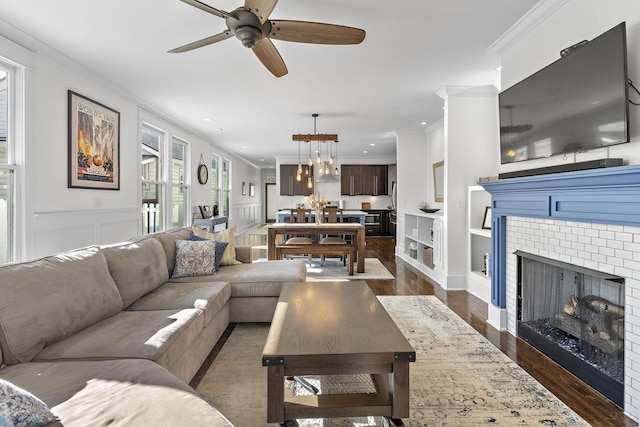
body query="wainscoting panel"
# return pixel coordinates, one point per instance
(246, 215)
(61, 231)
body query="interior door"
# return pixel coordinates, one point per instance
(271, 202)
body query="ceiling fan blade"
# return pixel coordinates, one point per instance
(204, 42)
(315, 32)
(261, 8)
(270, 57)
(210, 9)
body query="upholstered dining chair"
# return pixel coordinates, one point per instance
(333, 215)
(299, 215)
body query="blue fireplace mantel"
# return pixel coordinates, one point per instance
(608, 195)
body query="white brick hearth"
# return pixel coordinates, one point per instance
(613, 249)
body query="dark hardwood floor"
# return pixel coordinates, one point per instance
(592, 406)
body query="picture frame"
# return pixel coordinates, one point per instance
(244, 188)
(438, 181)
(205, 211)
(94, 144)
(486, 221)
(252, 189)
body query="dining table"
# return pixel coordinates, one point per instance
(353, 229)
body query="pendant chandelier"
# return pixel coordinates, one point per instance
(326, 143)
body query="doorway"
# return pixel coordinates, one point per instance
(271, 202)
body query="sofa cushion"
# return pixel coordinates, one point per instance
(161, 336)
(229, 257)
(21, 408)
(220, 248)
(46, 300)
(195, 258)
(125, 392)
(207, 297)
(136, 267)
(168, 240)
(256, 280)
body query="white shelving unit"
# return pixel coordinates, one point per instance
(420, 241)
(478, 243)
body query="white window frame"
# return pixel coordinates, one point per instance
(17, 78)
(169, 133)
(220, 189)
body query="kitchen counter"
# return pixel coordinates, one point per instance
(283, 215)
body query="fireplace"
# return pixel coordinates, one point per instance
(575, 316)
(589, 219)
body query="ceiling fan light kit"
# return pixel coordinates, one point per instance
(251, 25)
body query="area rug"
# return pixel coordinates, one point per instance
(333, 269)
(458, 379)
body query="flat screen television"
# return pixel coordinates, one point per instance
(575, 104)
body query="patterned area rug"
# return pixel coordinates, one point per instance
(458, 379)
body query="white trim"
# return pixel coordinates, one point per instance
(534, 17)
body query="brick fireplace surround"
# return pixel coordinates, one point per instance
(585, 218)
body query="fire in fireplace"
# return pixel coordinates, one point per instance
(575, 316)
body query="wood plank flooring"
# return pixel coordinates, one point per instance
(592, 406)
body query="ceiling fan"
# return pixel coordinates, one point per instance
(251, 25)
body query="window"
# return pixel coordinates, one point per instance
(226, 188)
(152, 186)
(221, 184)
(179, 188)
(7, 169)
(165, 176)
(214, 176)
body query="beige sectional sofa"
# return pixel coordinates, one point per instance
(105, 336)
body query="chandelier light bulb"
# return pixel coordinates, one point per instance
(309, 183)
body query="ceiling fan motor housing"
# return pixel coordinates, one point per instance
(247, 27)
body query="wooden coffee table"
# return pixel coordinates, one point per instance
(335, 328)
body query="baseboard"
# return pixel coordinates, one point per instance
(497, 317)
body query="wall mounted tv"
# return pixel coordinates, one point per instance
(575, 104)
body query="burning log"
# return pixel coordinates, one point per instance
(601, 316)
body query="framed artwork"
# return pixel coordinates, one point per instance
(94, 144)
(438, 181)
(486, 221)
(252, 189)
(205, 211)
(244, 188)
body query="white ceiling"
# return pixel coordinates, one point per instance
(362, 92)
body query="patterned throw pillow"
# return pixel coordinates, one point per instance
(195, 258)
(220, 247)
(21, 408)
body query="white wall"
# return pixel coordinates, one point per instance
(573, 21)
(57, 218)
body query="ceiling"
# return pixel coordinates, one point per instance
(364, 92)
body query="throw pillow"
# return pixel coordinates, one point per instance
(229, 257)
(21, 408)
(195, 258)
(220, 247)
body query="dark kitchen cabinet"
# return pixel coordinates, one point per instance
(374, 181)
(289, 186)
(351, 180)
(361, 180)
(377, 222)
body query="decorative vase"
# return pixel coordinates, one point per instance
(318, 214)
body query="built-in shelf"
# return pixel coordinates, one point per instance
(478, 243)
(420, 241)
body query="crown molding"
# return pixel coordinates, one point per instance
(534, 17)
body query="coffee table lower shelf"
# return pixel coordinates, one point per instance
(340, 405)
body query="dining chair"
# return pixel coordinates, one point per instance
(333, 215)
(299, 215)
